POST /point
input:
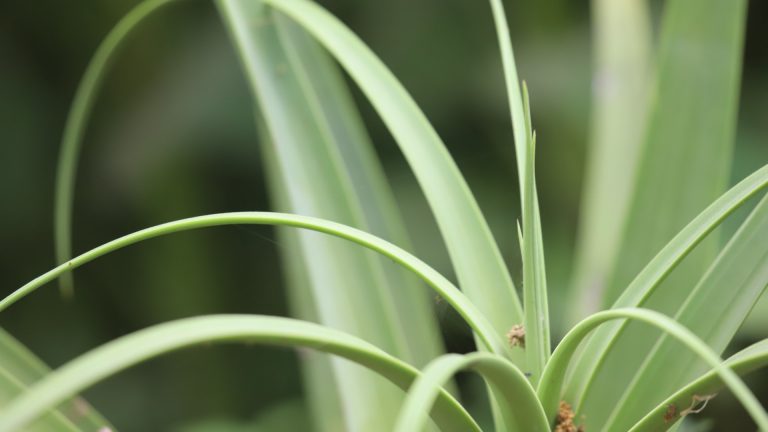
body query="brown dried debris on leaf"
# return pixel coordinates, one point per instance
(516, 336)
(564, 421)
(695, 408)
(698, 403)
(671, 413)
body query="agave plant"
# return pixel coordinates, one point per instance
(653, 305)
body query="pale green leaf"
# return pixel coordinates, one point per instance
(684, 165)
(714, 310)
(749, 359)
(77, 119)
(146, 344)
(320, 390)
(551, 383)
(474, 254)
(650, 278)
(518, 406)
(303, 137)
(19, 369)
(443, 286)
(536, 308)
(364, 179)
(621, 39)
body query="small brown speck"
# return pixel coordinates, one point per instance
(671, 413)
(516, 336)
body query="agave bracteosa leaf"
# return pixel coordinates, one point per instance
(684, 167)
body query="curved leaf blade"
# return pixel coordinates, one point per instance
(683, 167)
(143, 345)
(20, 368)
(745, 361)
(434, 279)
(552, 381)
(77, 119)
(649, 279)
(714, 310)
(518, 404)
(474, 254)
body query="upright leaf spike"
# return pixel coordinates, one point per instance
(534, 279)
(536, 315)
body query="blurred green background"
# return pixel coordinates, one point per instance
(173, 136)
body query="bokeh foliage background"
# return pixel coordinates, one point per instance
(173, 136)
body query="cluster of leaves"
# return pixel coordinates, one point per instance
(614, 367)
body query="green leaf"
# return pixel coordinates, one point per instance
(620, 83)
(19, 369)
(363, 176)
(77, 119)
(683, 167)
(714, 310)
(412, 303)
(650, 278)
(743, 362)
(554, 374)
(304, 127)
(146, 344)
(537, 339)
(443, 286)
(520, 409)
(304, 119)
(321, 392)
(536, 308)
(685, 161)
(475, 255)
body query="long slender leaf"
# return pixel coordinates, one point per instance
(297, 117)
(443, 286)
(534, 274)
(53, 421)
(77, 119)
(521, 409)
(749, 359)
(551, 383)
(19, 368)
(683, 167)
(303, 135)
(621, 35)
(714, 310)
(364, 176)
(649, 279)
(320, 390)
(690, 131)
(536, 307)
(411, 302)
(474, 254)
(143, 345)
